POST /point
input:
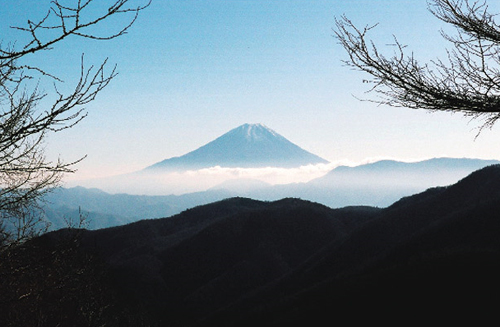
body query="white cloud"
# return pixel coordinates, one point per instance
(203, 179)
(271, 175)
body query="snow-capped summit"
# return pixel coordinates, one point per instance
(247, 146)
(254, 132)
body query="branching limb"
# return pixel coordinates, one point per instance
(469, 82)
(72, 20)
(25, 174)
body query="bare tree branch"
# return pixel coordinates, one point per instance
(72, 21)
(467, 82)
(25, 174)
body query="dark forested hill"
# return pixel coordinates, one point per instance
(208, 257)
(434, 256)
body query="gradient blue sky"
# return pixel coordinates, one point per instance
(190, 71)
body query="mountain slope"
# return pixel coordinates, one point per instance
(208, 257)
(433, 256)
(249, 145)
(245, 263)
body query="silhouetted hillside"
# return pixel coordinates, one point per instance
(207, 257)
(431, 257)
(435, 254)
(51, 281)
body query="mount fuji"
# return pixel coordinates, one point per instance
(247, 146)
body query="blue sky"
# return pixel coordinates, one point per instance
(190, 71)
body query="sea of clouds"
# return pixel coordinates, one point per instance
(166, 183)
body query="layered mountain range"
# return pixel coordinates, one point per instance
(377, 184)
(432, 256)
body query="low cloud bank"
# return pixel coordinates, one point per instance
(271, 175)
(203, 179)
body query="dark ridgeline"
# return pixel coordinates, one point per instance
(247, 146)
(434, 256)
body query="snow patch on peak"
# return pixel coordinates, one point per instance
(255, 132)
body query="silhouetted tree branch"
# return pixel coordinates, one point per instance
(468, 81)
(25, 173)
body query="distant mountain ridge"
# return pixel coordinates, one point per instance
(377, 184)
(442, 171)
(247, 146)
